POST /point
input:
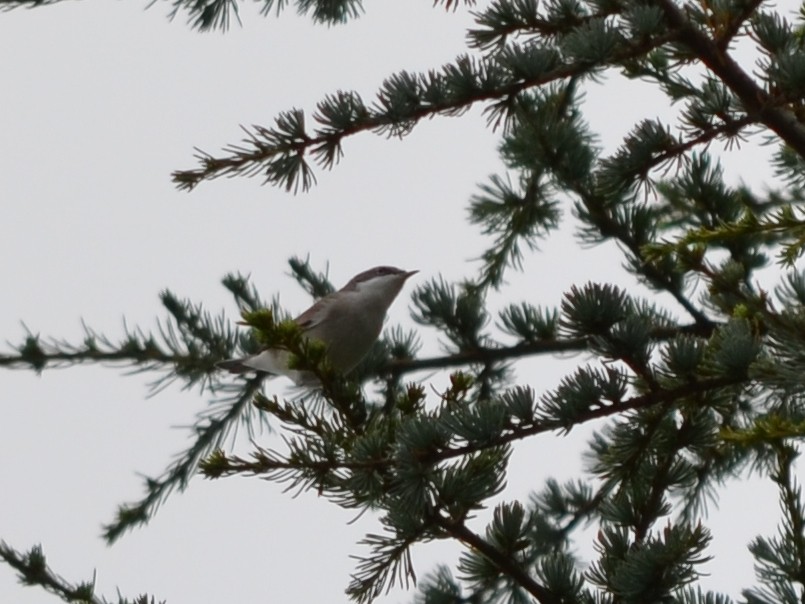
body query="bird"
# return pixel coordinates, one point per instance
(347, 322)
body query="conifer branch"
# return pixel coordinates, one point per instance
(389, 563)
(650, 507)
(209, 436)
(508, 567)
(39, 356)
(688, 405)
(788, 222)
(768, 110)
(33, 570)
(10, 4)
(604, 410)
(725, 32)
(780, 560)
(273, 464)
(794, 508)
(279, 154)
(483, 355)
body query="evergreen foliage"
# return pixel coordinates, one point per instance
(693, 394)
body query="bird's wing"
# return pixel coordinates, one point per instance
(312, 316)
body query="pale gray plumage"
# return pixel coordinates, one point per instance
(347, 321)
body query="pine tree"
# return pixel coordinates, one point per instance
(688, 397)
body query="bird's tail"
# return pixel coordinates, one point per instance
(234, 366)
(270, 362)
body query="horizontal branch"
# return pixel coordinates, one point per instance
(603, 410)
(38, 356)
(504, 353)
(221, 465)
(486, 355)
(243, 162)
(9, 4)
(66, 359)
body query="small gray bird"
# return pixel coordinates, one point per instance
(347, 322)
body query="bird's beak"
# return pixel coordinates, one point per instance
(410, 274)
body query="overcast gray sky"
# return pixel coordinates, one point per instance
(100, 102)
